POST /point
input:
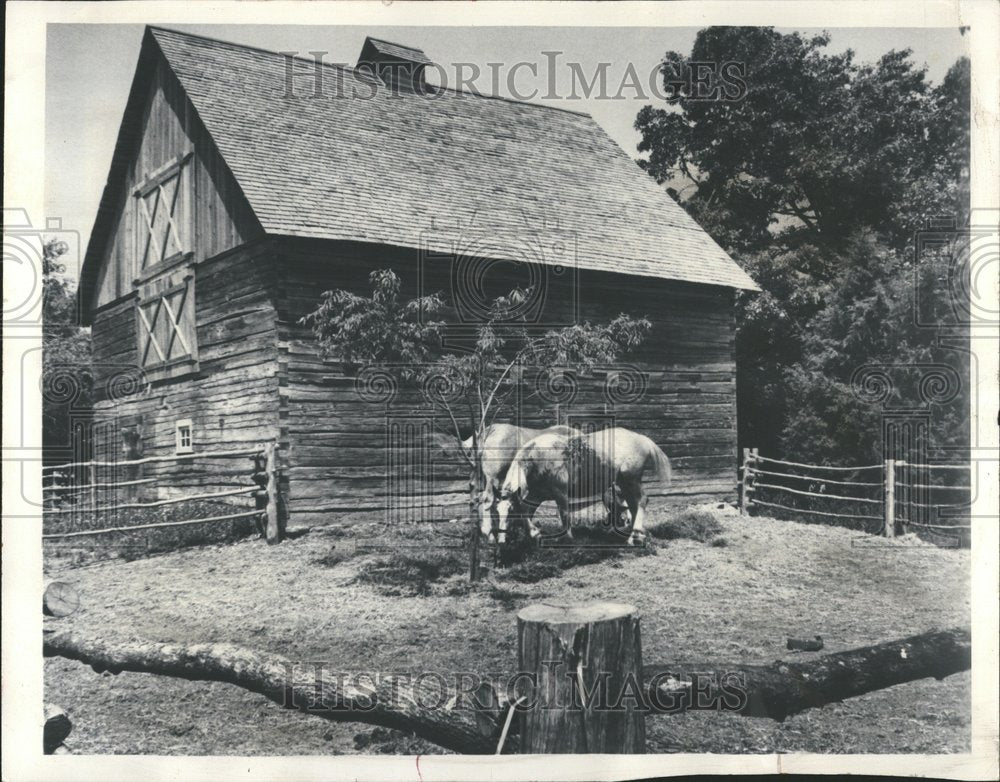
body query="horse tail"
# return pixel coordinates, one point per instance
(449, 445)
(660, 462)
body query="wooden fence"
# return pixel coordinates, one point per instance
(97, 497)
(891, 498)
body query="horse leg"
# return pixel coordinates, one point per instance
(636, 501)
(562, 502)
(530, 508)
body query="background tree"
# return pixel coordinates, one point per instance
(67, 377)
(468, 382)
(816, 182)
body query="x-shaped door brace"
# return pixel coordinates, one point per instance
(150, 216)
(163, 303)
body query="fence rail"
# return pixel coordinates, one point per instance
(901, 510)
(151, 459)
(264, 490)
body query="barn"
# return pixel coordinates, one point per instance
(245, 182)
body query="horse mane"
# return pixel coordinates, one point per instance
(516, 481)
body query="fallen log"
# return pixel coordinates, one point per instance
(773, 691)
(388, 702)
(783, 688)
(57, 728)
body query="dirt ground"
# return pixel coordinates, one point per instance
(735, 601)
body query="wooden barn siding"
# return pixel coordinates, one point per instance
(232, 401)
(215, 211)
(334, 442)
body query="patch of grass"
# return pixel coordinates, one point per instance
(460, 588)
(384, 741)
(411, 573)
(338, 531)
(589, 548)
(532, 571)
(508, 598)
(332, 558)
(719, 543)
(697, 525)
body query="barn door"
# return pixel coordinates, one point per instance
(162, 198)
(165, 310)
(167, 331)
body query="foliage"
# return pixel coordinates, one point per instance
(380, 328)
(67, 376)
(816, 183)
(406, 338)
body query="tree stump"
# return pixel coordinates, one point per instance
(59, 599)
(585, 666)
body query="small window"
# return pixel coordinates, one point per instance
(185, 441)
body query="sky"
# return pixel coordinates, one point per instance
(89, 71)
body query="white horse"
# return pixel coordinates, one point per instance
(496, 450)
(570, 469)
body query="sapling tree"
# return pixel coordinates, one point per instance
(467, 376)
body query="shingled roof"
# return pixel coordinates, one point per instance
(418, 171)
(396, 51)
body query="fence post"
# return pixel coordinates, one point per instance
(579, 659)
(273, 526)
(132, 451)
(92, 480)
(889, 501)
(749, 485)
(743, 483)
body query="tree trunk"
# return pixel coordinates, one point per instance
(388, 702)
(57, 728)
(783, 688)
(587, 695)
(547, 633)
(59, 599)
(474, 493)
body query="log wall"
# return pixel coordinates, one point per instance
(349, 452)
(232, 401)
(334, 433)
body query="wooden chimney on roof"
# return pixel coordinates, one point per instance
(393, 63)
